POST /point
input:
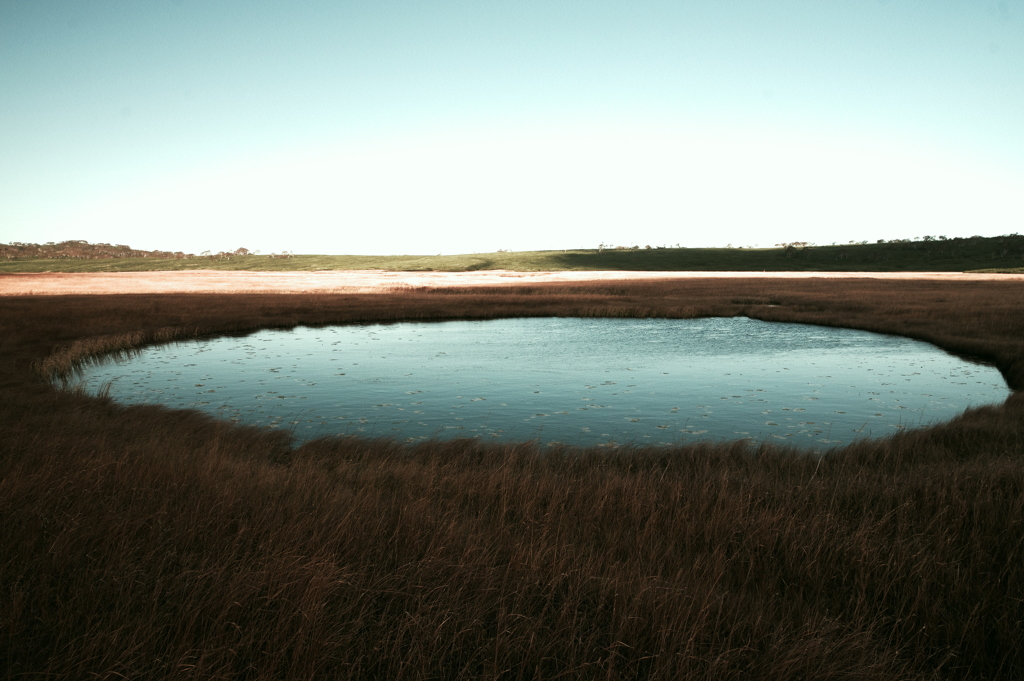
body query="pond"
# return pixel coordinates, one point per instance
(569, 380)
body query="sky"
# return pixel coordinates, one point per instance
(462, 126)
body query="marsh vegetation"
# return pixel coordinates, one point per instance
(148, 542)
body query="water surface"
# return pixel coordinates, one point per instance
(576, 381)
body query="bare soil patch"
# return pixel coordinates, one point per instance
(367, 281)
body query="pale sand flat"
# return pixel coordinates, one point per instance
(369, 281)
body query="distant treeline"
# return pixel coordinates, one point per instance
(83, 250)
(929, 253)
(1005, 246)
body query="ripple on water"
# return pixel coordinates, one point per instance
(577, 381)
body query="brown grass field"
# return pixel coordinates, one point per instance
(141, 542)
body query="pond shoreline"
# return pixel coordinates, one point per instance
(564, 380)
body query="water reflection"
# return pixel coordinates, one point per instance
(577, 381)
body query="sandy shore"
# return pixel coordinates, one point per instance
(361, 281)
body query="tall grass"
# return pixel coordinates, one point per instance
(64, 362)
(143, 542)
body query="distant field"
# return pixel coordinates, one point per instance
(998, 254)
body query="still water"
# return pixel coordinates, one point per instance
(575, 381)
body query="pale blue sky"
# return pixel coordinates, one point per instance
(457, 126)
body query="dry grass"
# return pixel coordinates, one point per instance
(142, 542)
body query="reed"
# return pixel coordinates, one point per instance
(143, 542)
(65, 362)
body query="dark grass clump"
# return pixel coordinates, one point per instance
(142, 542)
